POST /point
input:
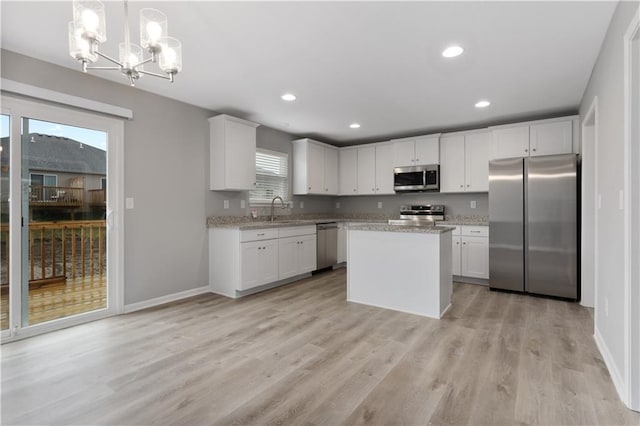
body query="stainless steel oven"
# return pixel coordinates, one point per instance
(417, 178)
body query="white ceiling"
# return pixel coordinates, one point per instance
(375, 63)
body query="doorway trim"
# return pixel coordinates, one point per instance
(589, 132)
(20, 107)
(632, 211)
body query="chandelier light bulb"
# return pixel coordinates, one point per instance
(89, 20)
(154, 30)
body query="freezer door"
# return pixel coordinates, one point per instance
(506, 224)
(552, 212)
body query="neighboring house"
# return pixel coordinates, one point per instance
(62, 172)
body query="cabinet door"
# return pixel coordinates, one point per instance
(287, 257)
(384, 169)
(475, 257)
(330, 171)
(456, 247)
(404, 153)
(348, 173)
(367, 170)
(315, 169)
(249, 264)
(307, 250)
(551, 138)
(452, 163)
(240, 155)
(428, 150)
(476, 159)
(268, 261)
(510, 142)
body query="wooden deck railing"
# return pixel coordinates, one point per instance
(61, 250)
(56, 196)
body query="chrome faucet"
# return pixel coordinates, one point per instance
(277, 197)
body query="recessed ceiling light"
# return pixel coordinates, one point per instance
(452, 51)
(288, 97)
(482, 104)
(354, 125)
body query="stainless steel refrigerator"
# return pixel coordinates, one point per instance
(533, 223)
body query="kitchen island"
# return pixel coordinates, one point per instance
(403, 268)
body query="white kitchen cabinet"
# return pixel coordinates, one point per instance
(456, 250)
(452, 163)
(297, 255)
(416, 151)
(384, 169)
(542, 137)
(348, 171)
(551, 138)
(241, 260)
(367, 170)
(475, 257)
(258, 263)
(476, 161)
(464, 165)
(232, 153)
(315, 171)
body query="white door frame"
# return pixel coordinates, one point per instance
(632, 211)
(20, 107)
(589, 136)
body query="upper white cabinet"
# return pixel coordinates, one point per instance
(544, 137)
(232, 153)
(348, 173)
(366, 170)
(464, 165)
(416, 151)
(315, 168)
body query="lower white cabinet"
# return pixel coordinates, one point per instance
(240, 260)
(470, 251)
(297, 255)
(258, 263)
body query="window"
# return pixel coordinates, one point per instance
(272, 176)
(39, 179)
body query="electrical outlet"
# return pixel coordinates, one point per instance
(379, 204)
(302, 204)
(290, 204)
(129, 202)
(243, 204)
(606, 307)
(337, 204)
(473, 204)
(226, 204)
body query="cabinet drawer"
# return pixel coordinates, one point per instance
(294, 231)
(258, 234)
(455, 229)
(475, 231)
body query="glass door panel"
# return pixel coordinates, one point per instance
(5, 131)
(64, 261)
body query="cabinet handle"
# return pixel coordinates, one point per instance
(354, 190)
(260, 235)
(417, 159)
(475, 232)
(264, 248)
(467, 185)
(461, 186)
(526, 150)
(254, 184)
(457, 243)
(534, 150)
(377, 189)
(464, 244)
(309, 188)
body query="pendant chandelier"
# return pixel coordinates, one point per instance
(87, 31)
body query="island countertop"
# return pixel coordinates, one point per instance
(385, 227)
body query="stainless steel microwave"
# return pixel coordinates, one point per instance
(417, 178)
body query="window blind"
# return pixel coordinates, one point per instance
(272, 176)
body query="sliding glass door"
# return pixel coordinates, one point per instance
(57, 215)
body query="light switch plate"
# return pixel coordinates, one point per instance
(473, 204)
(379, 204)
(242, 204)
(302, 204)
(129, 203)
(226, 204)
(337, 204)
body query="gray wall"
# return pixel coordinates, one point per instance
(607, 83)
(166, 171)
(455, 203)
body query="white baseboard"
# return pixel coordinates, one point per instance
(165, 299)
(616, 377)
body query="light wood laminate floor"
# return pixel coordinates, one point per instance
(301, 354)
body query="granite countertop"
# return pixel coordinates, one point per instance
(245, 222)
(383, 227)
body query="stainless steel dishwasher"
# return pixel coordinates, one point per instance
(327, 254)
